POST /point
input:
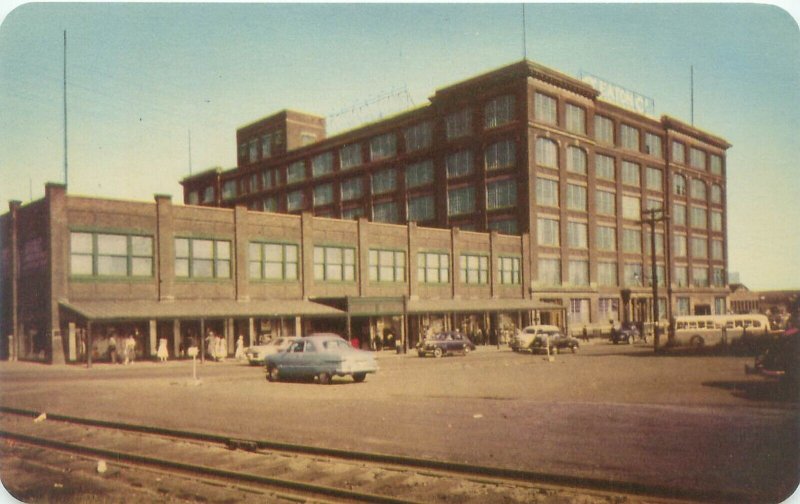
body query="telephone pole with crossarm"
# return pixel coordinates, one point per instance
(654, 216)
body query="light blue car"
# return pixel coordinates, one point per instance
(320, 356)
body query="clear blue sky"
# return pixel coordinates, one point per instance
(140, 76)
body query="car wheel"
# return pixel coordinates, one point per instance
(437, 352)
(574, 348)
(467, 349)
(630, 340)
(325, 378)
(697, 342)
(554, 350)
(359, 377)
(272, 374)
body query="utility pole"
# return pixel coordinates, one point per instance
(66, 169)
(655, 215)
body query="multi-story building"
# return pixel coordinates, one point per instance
(522, 150)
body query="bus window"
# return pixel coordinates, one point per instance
(756, 323)
(681, 325)
(738, 323)
(729, 324)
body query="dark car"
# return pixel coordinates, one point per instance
(445, 343)
(626, 334)
(781, 358)
(556, 339)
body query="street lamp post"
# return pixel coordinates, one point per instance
(652, 219)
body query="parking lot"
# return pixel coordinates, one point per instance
(610, 411)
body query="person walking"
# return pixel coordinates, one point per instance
(239, 355)
(162, 352)
(130, 349)
(221, 352)
(112, 349)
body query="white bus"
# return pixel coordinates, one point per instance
(698, 331)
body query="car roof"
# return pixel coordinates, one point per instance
(543, 328)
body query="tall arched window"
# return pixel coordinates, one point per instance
(546, 153)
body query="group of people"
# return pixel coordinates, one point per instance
(216, 347)
(121, 353)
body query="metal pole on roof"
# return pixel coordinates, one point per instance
(524, 35)
(66, 169)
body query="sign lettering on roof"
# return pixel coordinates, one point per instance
(621, 96)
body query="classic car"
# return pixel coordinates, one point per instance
(320, 356)
(256, 354)
(445, 343)
(780, 359)
(536, 338)
(625, 334)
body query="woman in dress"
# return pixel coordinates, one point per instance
(162, 352)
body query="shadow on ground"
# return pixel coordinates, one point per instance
(766, 390)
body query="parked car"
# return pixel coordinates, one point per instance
(445, 343)
(257, 354)
(781, 359)
(321, 356)
(535, 339)
(626, 334)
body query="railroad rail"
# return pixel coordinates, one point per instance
(339, 475)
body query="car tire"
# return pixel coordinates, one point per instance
(554, 350)
(467, 349)
(630, 339)
(697, 342)
(359, 377)
(437, 352)
(325, 378)
(273, 374)
(574, 348)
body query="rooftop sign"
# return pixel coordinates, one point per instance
(618, 95)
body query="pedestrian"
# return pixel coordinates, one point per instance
(613, 331)
(130, 349)
(221, 352)
(585, 334)
(112, 349)
(479, 336)
(239, 355)
(162, 352)
(210, 344)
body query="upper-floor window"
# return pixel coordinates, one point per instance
(716, 194)
(270, 204)
(631, 174)
(679, 245)
(350, 156)
(387, 265)
(382, 147)
(632, 241)
(323, 194)
(419, 174)
(546, 152)
(352, 188)
(604, 167)
(243, 150)
(474, 269)
(101, 254)
(700, 247)
(679, 184)
(699, 218)
(631, 207)
(578, 272)
(229, 189)
(461, 200)
(433, 267)
(499, 111)
(418, 137)
(509, 271)
(630, 137)
(352, 213)
(202, 258)
(459, 164)
(208, 194)
(322, 164)
(273, 261)
(548, 232)
(501, 194)
(605, 202)
(268, 179)
(577, 235)
(549, 271)
(458, 124)
(546, 192)
(384, 181)
(194, 198)
(576, 119)
(421, 208)
(266, 146)
(307, 138)
(545, 108)
(607, 276)
(252, 150)
(576, 160)
(501, 154)
(679, 214)
(716, 249)
(334, 264)
(652, 145)
(678, 152)
(508, 226)
(654, 179)
(716, 221)
(697, 158)
(296, 172)
(606, 238)
(698, 189)
(388, 211)
(603, 129)
(576, 197)
(295, 200)
(716, 164)
(700, 276)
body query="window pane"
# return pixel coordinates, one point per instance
(112, 266)
(81, 264)
(141, 266)
(112, 244)
(81, 243)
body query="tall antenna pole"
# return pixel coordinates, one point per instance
(692, 91)
(524, 35)
(190, 152)
(66, 168)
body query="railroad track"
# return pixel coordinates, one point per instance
(307, 473)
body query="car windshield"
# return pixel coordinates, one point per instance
(335, 344)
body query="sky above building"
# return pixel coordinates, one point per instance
(156, 91)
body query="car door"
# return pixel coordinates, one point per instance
(290, 362)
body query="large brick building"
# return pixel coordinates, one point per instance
(522, 150)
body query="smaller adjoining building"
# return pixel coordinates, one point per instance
(78, 270)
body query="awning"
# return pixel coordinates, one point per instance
(205, 308)
(478, 305)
